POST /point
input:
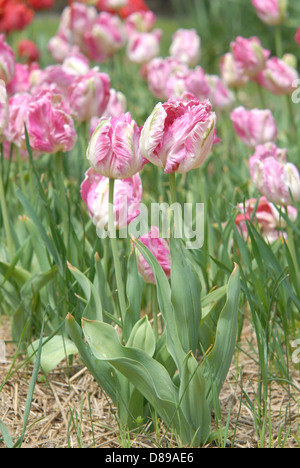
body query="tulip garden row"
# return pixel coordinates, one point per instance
(112, 129)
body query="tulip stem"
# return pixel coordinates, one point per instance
(5, 217)
(113, 240)
(63, 195)
(292, 249)
(172, 183)
(278, 42)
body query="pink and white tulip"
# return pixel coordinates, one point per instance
(266, 215)
(113, 150)
(127, 199)
(272, 12)
(50, 128)
(140, 21)
(186, 46)
(273, 176)
(88, 95)
(7, 61)
(193, 81)
(106, 36)
(278, 77)
(179, 135)
(21, 81)
(159, 247)
(250, 55)
(220, 95)
(4, 109)
(160, 71)
(232, 72)
(254, 127)
(143, 47)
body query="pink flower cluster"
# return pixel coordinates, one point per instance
(248, 60)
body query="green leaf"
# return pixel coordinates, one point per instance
(93, 309)
(134, 291)
(185, 296)
(217, 362)
(142, 337)
(164, 299)
(147, 375)
(53, 351)
(193, 402)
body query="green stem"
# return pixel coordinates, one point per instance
(5, 219)
(113, 241)
(172, 183)
(292, 249)
(154, 310)
(278, 42)
(63, 196)
(292, 117)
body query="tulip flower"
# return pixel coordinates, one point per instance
(220, 96)
(266, 215)
(160, 71)
(28, 51)
(21, 81)
(179, 135)
(113, 150)
(186, 46)
(50, 128)
(232, 71)
(272, 12)
(250, 55)
(192, 81)
(7, 61)
(127, 199)
(106, 36)
(254, 127)
(140, 21)
(160, 249)
(15, 16)
(4, 109)
(273, 176)
(278, 77)
(88, 95)
(143, 47)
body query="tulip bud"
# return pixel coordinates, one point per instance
(127, 199)
(179, 135)
(186, 46)
(232, 72)
(7, 61)
(254, 127)
(250, 54)
(272, 12)
(278, 77)
(160, 249)
(113, 149)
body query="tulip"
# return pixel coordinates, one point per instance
(88, 95)
(232, 72)
(273, 176)
(7, 61)
(278, 77)
(4, 109)
(250, 55)
(143, 47)
(254, 127)
(220, 96)
(272, 12)
(50, 128)
(106, 36)
(179, 135)
(266, 215)
(113, 150)
(127, 199)
(117, 104)
(193, 81)
(186, 46)
(21, 81)
(159, 71)
(140, 21)
(160, 249)
(59, 47)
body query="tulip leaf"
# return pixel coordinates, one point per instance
(149, 377)
(93, 309)
(186, 296)
(53, 351)
(164, 300)
(142, 337)
(217, 362)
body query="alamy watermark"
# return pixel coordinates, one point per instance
(296, 93)
(188, 222)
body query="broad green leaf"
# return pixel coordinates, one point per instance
(93, 309)
(147, 375)
(217, 362)
(192, 394)
(53, 351)
(134, 291)
(18, 274)
(166, 307)
(185, 296)
(142, 337)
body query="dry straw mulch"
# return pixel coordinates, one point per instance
(70, 411)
